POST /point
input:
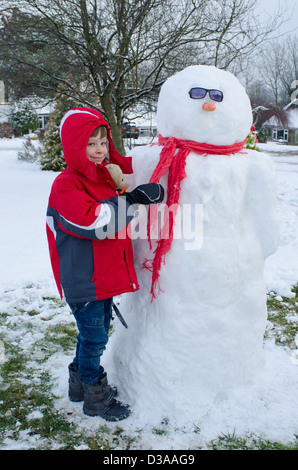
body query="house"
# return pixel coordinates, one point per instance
(288, 133)
(44, 113)
(5, 108)
(42, 107)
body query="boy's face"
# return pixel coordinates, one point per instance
(96, 150)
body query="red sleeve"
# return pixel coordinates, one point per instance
(125, 163)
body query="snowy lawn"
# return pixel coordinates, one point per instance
(37, 337)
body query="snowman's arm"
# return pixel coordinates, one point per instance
(263, 203)
(144, 161)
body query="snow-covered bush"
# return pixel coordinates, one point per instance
(252, 141)
(29, 152)
(24, 119)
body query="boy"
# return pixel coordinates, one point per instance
(90, 262)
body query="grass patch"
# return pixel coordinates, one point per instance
(63, 335)
(232, 442)
(24, 390)
(283, 319)
(35, 327)
(27, 409)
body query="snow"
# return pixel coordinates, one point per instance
(281, 268)
(24, 203)
(266, 409)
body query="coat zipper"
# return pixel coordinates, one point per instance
(132, 284)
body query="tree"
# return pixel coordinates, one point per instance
(52, 157)
(113, 53)
(24, 119)
(277, 65)
(289, 71)
(263, 135)
(25, 38)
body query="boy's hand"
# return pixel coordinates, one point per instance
(150, 193)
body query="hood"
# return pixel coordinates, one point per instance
(76, 128)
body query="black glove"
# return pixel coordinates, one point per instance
(150, 193)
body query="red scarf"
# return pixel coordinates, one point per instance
(175, 163)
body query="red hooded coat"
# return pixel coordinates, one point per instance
(91, 252)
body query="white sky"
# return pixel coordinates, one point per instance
(271, 7)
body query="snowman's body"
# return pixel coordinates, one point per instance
(203, 334)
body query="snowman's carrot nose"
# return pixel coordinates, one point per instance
(209, 107)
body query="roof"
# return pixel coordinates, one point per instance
(292, 116)
(295, 102)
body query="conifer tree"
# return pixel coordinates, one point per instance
(52, 157)
(263, 135)
(24, 119)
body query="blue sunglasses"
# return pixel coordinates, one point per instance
(200, 93)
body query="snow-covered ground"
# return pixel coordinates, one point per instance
(282, 268)
(268, 409)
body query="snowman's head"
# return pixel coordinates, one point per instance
(204, 104)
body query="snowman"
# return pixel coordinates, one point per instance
(196, 326)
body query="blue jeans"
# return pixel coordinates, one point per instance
(93, 322)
